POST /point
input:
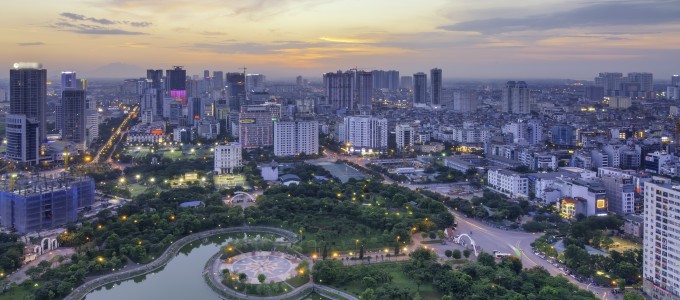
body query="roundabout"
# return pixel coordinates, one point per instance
(276, 266)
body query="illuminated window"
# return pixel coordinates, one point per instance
(601, 203)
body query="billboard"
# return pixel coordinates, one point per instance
(247, 121)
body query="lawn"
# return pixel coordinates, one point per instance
(297, 281)
(17, 293)
(136, 189)
(399, 278)
(623, 245)
(344, 242)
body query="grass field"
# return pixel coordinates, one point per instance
(297, 281)
(17, 293)
(399, 279)
(623, 245)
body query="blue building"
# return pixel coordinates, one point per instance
(563, 135)
(37, 203)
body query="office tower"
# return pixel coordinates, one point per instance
(177, 83)
(236, 90)
(156, 79)
(594, 93)
(365, 133)
(675, 80)
(620, 194)
(28, 93)
(255, 125)
(364, 91)
(296, 137)
(255, 83)
(148, 106)
(73, 117)
(228, 158)
(37, 204)
(68, 80)
(419, 88)
(464, 101)
(91, 121)
(563, 135)
(436, 87)
(660, 240)
(406, 82)
(645, 83)
(610, 82)
(340, 90)
(194, 110)
(23, 138)
(516, 98)
(404, 134)
(392, 78)
(218, 80)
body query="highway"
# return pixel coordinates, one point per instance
(114, 137)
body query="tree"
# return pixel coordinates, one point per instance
(433, 235)
(368, 294)
(456, 254)
(396, 249)
(448, 253)
(324, 253)
(261, 278)
(242, 277)
(630, 296)
(467, 253)
(361, 252)
(485, 259)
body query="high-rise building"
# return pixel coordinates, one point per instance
(365, 133)
(91, 121)
(68, 80)
(563, 135)
(405, 134)
(620, 194)
(176, 83)
(73, 117)
(36, 204)
(611, 82)
(296, 137)
(23, 138)
(255, 83)
(660, 240)
(148, 106)
(516, 98)
(236, 90)
(28, 93)
(156, 79)
(256, 125)
(645, 82)
(340, 90)
(436, 87)
(675, 80)
(218, 80)
(406, 82)
(464, 100)
(228, 158)
(364, 91)
(392, 78)
(419, 88)
(594, 93)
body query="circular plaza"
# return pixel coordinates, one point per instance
(276, 266)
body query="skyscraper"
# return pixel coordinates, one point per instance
(365, 90)
(516, 98)
(406, 82)
(148, 106)
(236, 90)
(419, 88)
(660, 240)
(177, 83)
(218, 80)
(610, 81)
(392, 78)
(339, 89)
(73, 117)
(28, 92)
(436, 87)
(69, 80)
(156, 79)
(675, 80)
(296, 137)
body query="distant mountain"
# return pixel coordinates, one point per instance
(117, 70)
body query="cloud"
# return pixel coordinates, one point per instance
(92, 29)
(138, 24)
(77, 17)
(31, 44)
(610, 13)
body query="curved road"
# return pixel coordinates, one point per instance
(87, 287)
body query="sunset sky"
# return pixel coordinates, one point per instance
(284, 38)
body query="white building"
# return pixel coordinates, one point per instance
(296, 137)
(661, 249)
(405, 136)
(228, 158)
(365, 133)
(510, 183)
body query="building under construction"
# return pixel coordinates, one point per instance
(39, 203)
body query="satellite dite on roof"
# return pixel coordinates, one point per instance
(27, 65)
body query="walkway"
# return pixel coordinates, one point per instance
(87, 287)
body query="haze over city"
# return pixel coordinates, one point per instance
(284, 38)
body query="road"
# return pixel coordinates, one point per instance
(113, 139)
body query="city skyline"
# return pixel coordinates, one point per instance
(485, 39)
